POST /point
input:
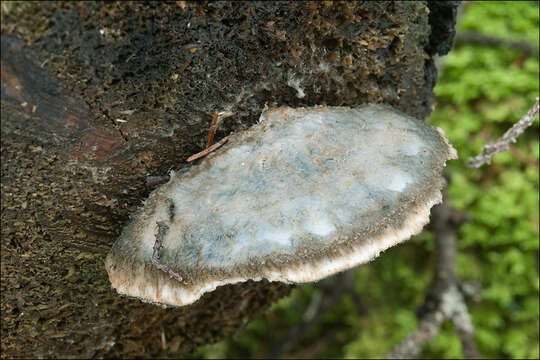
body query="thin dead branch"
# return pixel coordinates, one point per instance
(510, 136)
(472, 37)
(212, 130)
(444, 301)
(208, 150)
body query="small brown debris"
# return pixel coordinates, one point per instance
(212, 130)
(208, 150)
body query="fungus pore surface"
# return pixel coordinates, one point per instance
(303, 194)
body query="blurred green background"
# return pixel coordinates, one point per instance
(482, 91)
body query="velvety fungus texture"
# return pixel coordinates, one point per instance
(301, 195)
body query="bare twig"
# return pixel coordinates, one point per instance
(473, 37)
(212, 130)
(510, 136)
(208, 150)
(463, 325)
(428, 327)
(216, 119)
(444, 301)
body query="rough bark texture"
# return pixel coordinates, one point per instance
(97, 97)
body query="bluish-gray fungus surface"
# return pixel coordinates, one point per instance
(303, 194)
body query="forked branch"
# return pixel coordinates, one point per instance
(444, 301)
(510, 136)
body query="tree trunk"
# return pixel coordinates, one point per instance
(96, 97)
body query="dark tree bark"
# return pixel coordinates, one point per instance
(97, 97)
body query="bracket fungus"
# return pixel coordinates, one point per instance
(303, 194)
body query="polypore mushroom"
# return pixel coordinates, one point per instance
(302, 195)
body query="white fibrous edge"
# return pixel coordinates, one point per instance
(452, 152)
(133, 276)
(160, 288)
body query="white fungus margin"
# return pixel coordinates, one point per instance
(300, 196)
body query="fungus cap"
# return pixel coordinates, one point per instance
(302, 195)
